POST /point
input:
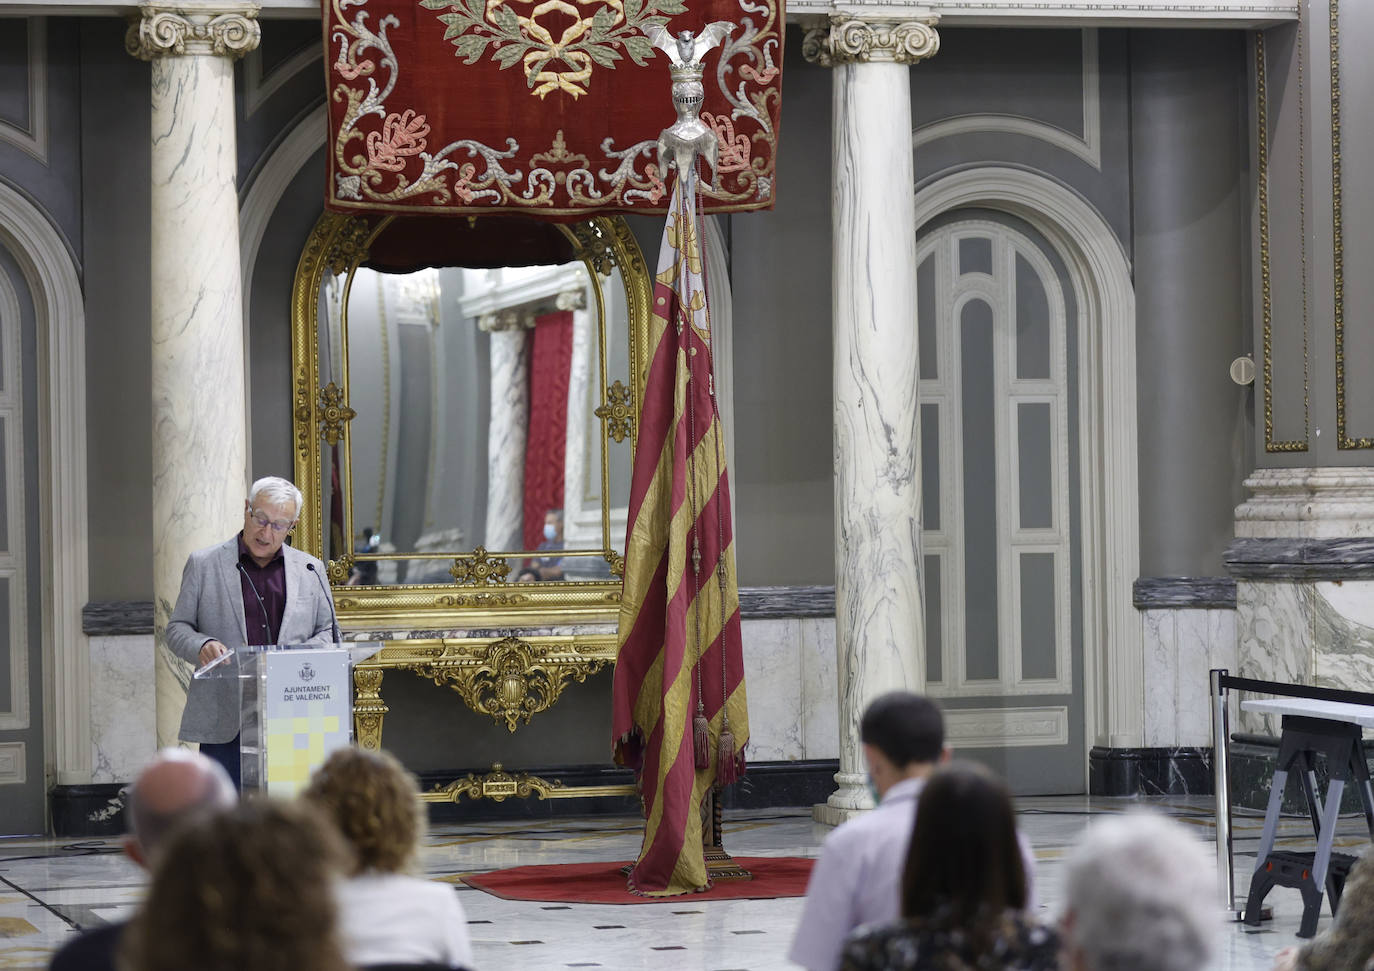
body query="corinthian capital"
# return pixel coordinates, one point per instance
(166, 28)
(858, 37)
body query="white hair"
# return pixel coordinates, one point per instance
(276, 491)
(1140, 895)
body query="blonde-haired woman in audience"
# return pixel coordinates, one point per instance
(1349, 941)
(248, 887)
(387, 915)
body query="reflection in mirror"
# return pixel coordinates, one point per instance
(467, 441)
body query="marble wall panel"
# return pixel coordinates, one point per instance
(1343, 635)
(772, 671)
(1274, 622)
(820, 703)
(123, 709)
(1181, 647)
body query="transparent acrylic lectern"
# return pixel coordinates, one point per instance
(296, 707)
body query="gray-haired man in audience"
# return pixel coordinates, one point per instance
(178, 787)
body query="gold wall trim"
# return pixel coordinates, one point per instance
(1266, 285)
(1343, 438)
(499, 785)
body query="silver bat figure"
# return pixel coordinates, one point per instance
(680, 142)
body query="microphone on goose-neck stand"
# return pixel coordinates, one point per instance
(328, 598)
(266, 628)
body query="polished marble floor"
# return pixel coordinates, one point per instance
(48, 889)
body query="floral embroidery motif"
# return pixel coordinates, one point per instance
(599, 29)
(393, 148)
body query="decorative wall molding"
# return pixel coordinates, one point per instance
(60, 317)
(14, 710)
(111, 618)
(1285, 558)
(33, 139)
(1006, 727)
(13, 759)
(1002, 13)
(1266, 284)
(1087, 146)
(259, 87)
(849, 37)
(1184, 593)
(1110, 508)
(1326, 502)
(786, 602)
(221, 28)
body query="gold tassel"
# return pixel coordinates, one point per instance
(701, 741)
(726, 766)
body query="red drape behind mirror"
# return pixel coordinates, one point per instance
(546, 443)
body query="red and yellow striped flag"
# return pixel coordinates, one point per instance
(679, 643)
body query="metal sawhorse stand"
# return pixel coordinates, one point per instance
(1311, 728)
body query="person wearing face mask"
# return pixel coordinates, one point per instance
(250, 589)
(551, 567)
(858, 878)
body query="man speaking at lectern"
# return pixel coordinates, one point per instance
(249, 589)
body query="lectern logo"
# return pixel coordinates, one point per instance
(307, 673)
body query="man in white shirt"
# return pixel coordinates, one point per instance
(858, 878)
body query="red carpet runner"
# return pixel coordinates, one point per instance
(603, 883)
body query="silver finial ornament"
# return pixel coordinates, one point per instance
(684, 139)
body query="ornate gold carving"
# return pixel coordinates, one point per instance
(847, 39)
(617, 412)
(350, 245)
(1266, 293)
(221, 29)
(498, 785)
(479, 569)
(334, 413)
(368, 707)
(593, 244)
(302, 412)
(339, 570)
(617, 563)
(513, 681)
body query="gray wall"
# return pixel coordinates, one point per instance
(115, 121)
(1190, 178)
(780, 274)
(780, 277)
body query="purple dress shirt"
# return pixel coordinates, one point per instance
(264, 595)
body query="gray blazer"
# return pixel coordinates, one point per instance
(210, 608)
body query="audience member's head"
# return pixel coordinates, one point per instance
(964, 861)
(903, 735)
(1140, 895)
(178, 787)
(376, 805)
(250, 887)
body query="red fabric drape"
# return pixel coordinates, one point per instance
(550, 109)
(546, 442)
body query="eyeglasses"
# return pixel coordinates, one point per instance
(277, 527)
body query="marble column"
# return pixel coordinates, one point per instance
(581, 421)
(198, 383)
(879, 634)
(507, 433)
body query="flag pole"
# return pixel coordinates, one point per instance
(678, 147)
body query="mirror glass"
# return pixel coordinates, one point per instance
(467, 421)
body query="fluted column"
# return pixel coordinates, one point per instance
(508, 427)
(198, 382)
(879, 637)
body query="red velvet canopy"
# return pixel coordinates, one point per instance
(545, 107)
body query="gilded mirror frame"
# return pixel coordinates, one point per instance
(339, 244)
